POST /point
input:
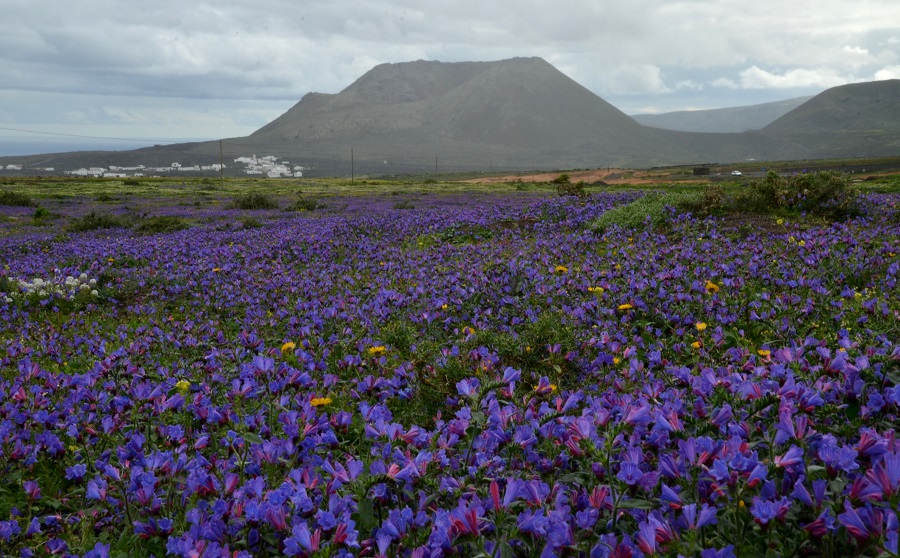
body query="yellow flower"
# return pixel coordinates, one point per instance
(443, 306)
(741, 504)
(617, 360)
(289, 346)
(596, 290)
(802, 243)
(73, 448)
(377, 350)
(561, 269)
(625, 307)
(791, 239)
(217, 269)
(711, 287)
(780, 221)
(110, 260)
(468, 330)
(696, 344)
(857, 295)
(763, 352)
(700, 326)
(320, 401)
(183, 386)
(553, 388)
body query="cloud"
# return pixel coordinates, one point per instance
(664, 53)
(757, 78)
(642, 78)
(689, 85)
(891, 72)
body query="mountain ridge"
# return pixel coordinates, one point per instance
(518, 114)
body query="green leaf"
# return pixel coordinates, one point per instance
(365, 517)
(637, 504)
(252, 438)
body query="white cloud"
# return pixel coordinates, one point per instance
(642, 78)
(724, 83)
(891, 72)
(689, 85)
(855, 50)
(757, 78)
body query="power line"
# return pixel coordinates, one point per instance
(145, 140)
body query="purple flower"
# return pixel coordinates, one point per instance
(76, 472)
(764, 511)
(100, 550)
(707, 515)
(791, 458)
(886, 475)
(851, 521)
(630, 473)
(32, 490)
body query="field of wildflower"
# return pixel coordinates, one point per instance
(446, 375)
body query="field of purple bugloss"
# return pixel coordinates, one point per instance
(474, 375)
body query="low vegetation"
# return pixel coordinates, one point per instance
(253, 201)
(489, 375)
(15, 199)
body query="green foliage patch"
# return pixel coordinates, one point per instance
(15, 199)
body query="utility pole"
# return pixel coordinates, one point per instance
(221, 166)
(351, 166)
(435, 164)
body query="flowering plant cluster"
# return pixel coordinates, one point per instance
(334, 385)
(66, 287)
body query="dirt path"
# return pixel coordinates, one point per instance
(608, 176)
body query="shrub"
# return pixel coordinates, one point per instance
(41, 213)
(405, 204)
(826, 194)
(649, 210)
(305, 204)
(162, 224)
(248, 223)
(15, 199)
(561, 179)
(253, 201)
(94, 221)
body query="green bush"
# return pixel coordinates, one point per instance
(248, 223)
(825, 194)
(162, 224)
(305, 204)
(404, 205)
(650, 210)
(94, 221)
(15, 199)
(253, 201)
(41, 213)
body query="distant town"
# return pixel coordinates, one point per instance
(267, 165)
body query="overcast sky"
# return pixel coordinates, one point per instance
(175, 69)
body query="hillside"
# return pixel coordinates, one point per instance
(517, 114)
(860, 119)
(722, 120)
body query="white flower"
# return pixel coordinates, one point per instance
(83, 277)
(95, 293)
